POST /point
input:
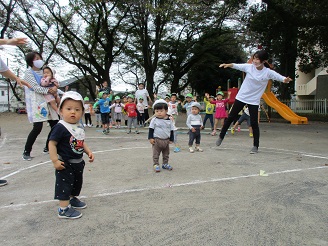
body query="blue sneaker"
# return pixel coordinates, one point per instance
(177, 149)
(69, 213)
(157, 169)
(167, 167)
(77, 203)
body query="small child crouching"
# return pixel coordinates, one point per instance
(195, 124)
(161, 135)
(66, 148)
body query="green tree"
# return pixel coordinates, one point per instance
(292, 30)
(84, 33)
(165, 34)
(206, 76)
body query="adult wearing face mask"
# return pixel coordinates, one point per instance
(37, 107)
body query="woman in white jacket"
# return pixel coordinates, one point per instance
(37, 107)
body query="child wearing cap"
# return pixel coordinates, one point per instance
(195, 124)
(118, 109)
(87, 112)
(187, 103)
(66, 148)
(125, 114)
(173, 112)
(160, 135)
(104, 103)
(220, 110)
(131, 110)
(141, 112)
(167, 98)
(96, 110)
(209, 110)
(48, 80)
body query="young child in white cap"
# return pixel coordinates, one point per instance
(66, 148)
(195, 124)
(161, 134)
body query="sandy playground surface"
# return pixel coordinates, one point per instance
(212, 198)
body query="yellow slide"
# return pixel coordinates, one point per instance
(283, 109)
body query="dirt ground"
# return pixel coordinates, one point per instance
(216, 197)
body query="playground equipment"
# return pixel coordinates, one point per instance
(282, 108)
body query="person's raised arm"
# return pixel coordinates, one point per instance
(13, 41)
(226, 65)
(287, 80)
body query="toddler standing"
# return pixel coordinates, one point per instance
(66, 148)
(141, 112)
(173, 112)
(87, 112)
(118, 109)
(209, 110)
(96, 109)
(195, 124)
(187, 103)
(220, 110)
(104, 103)
(131, 110)
(161, 135)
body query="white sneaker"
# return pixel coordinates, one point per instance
(199, 149)
(191, 150)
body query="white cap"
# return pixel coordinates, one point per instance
(196, 104)
(159, 101)
(72, 95)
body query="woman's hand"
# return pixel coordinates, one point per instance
(224, 65)
(287, 80)
(53, 90)
(17, 41)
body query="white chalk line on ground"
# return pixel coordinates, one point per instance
(45, 162)
(4, 140)
(195, 182)
(280, 151)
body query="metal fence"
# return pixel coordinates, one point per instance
(3, 107)
(315, 106)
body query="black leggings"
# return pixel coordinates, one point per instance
(87, 117)
(253, 112)
(36, 130)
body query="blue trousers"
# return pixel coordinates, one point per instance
(210, 117)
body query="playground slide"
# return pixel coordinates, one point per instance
(283, 109)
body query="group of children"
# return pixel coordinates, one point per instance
(66, 146)
(113, 113)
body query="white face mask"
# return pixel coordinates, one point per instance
(38, 63)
